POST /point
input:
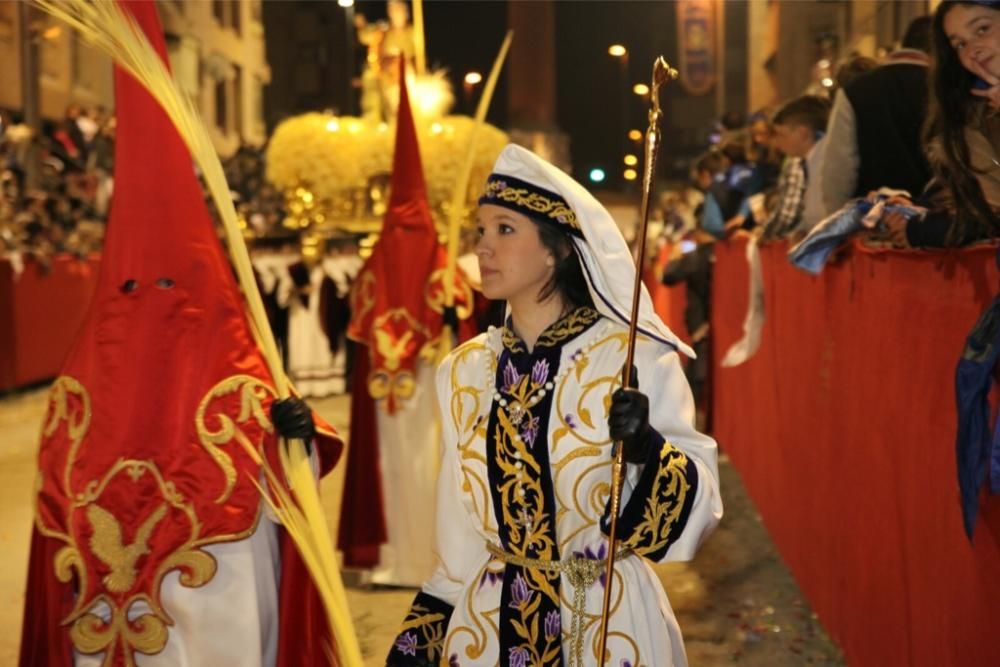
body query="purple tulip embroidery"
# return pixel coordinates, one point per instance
(530, 431)
(540, 372)
(510, 377)
(570, 422)
(517, 656)
(453, 660)
(490, 577)
(520, 595)
(407, 644)
(553, 625)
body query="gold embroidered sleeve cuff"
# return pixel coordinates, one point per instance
(420, 641)
(661, 502)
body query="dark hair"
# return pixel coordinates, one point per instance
(808, 110)
(567, 278)
(710, 162)
(950, 109)
(733, 146)
(851, 68)
(918, 34)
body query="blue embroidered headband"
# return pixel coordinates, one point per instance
(530, 200)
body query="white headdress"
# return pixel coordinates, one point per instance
(526, 183)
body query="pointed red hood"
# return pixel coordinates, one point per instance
(398, 296)
(407, 190)
(140, 443)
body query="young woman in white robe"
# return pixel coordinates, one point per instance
(529, 414)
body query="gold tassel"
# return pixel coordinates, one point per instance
(108, 28)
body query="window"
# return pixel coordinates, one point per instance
(235, 15)
(221, 108)
(238, 99)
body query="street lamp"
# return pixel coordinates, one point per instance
(640, 89)
(472, 78)
(620, 53)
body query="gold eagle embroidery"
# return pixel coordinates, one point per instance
(107, 545)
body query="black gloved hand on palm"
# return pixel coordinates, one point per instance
(628, 420)
(292, 418)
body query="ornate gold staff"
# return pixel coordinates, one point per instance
(662, 72)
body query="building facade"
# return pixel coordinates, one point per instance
(788, 40)
(216, 50)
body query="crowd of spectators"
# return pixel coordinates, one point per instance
(66, 208)
(906, 148)
(918, 129)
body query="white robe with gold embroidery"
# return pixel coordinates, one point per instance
(643, 630)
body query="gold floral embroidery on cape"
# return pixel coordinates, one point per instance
(96, 623)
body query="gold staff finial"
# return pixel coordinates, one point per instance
(662, 72)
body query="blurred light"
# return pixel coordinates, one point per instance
(333, 125)
(617, 50)
(630, 175)
(631, 160)
(52, 32)
(827, 82)
(431, 95)
(635, 135)
(472, 78)
(345, 3)
(640, 89)
(597, 175)
(824, 64)
(436, 128)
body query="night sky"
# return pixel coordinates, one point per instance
(591, 96)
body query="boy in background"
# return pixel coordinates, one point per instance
(797, 127)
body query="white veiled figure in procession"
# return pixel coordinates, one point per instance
(311, 365)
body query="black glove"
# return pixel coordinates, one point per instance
(449, 316)
(293, 419)
(628, 420)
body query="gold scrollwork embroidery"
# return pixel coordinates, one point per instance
(535, 202)
(434, 294)
(77, 420)
(147, 634)
(664, 504)
(252, 393)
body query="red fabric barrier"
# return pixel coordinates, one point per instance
(843, 428)
(40, 314)
(668, 302)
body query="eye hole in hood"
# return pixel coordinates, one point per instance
(129, 286)
(165, 283)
